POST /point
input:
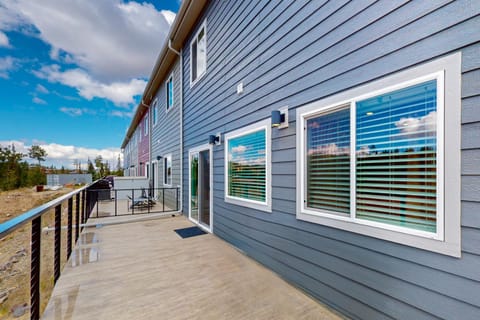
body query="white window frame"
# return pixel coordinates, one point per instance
(165, 158)
(447, 239)
(259, 205)
(155, 112)
(167, 107)
(195, 39)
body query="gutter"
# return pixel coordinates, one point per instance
(184, 21)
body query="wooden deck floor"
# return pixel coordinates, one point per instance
(144, 270)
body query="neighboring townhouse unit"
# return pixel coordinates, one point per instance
(166, 136)
(144, 145)
(335, 142)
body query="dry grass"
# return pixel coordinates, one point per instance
(15, 249)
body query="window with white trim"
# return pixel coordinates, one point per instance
(169, 92)
(198, 55)
(167, 170)
(248, 166)
(154, 112)
(371, 160)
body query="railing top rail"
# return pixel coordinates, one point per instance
(135, 189)
(13, 224)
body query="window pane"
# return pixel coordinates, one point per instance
(155, 113)
(194, 60)
(201, 53)
(167, 170)
(247, 165)
(170, 93)
(396, 157)
(328, 162)
(194, 186)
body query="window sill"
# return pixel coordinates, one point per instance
(257, 205)
(421, 240)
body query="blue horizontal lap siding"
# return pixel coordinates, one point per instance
(289, 53)
(166, 133)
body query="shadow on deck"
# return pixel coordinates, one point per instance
(144, 270)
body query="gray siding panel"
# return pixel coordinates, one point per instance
(166, 135)
(365, 284)
(289, 53)
(471, 214)
(471, 188)
(471, 109)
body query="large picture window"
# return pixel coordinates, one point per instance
(247, 176)
(198, 55)
(373, 159)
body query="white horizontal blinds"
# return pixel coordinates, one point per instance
(328, 161)
(247, 166)
(396, 157)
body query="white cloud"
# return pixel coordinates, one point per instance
(239, 149)
(112, 40)
(121, 114)
(121, 93)
(41, 89)
(418, 126)
(7, 64)
(59, 155)
(329, 149)
(4, 40)
(74, 112)
(37, 100)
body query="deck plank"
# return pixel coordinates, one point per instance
(144, 270)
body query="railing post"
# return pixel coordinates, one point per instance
(77, 216)
(96, 201)
(115, 203)
(89, 206)
(35, 268)
(69, 230)
(133, 201)
(58, 233)
(177, 201)
(82, 221)
(163, 199)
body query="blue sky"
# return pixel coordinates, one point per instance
(72, 72)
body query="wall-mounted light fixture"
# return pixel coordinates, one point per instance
(141, 163)
(159, 157)
(280, 118)
(132, 166)
(215, 139)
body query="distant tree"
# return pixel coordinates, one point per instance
(119, 168)
(38, 153)
(100, 167)
(13, 173)
(106, 169)
(90, 167)
(119, 164)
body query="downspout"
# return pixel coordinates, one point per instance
(181, 120)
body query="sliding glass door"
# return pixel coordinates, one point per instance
(200, 204)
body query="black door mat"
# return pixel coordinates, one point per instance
(189, 232)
